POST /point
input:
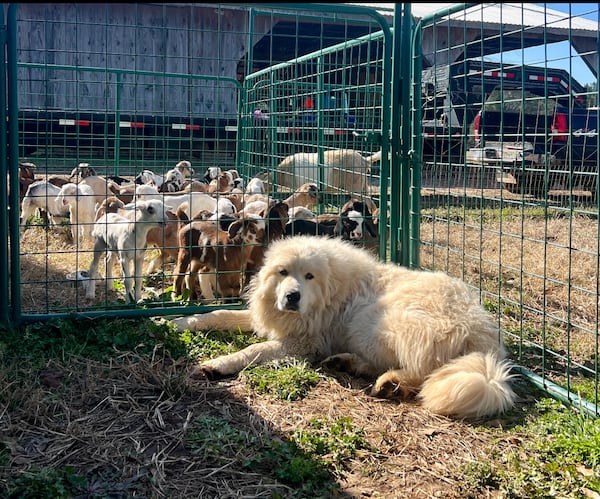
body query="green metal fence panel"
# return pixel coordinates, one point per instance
(4, 170)
(121, 88)
(487, 130)
(311, 108)
(505, 127)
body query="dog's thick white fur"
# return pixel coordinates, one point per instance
(416, 332)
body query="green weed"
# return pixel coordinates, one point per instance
(558, 457)
(286, 380)
(45, 483)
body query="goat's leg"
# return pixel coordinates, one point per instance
(74, 233)
(87, 231)
(124, 259)
(196, 270)
(208, 281)
(111, 258)
(138, 271)
(100, 248)
(183, 262)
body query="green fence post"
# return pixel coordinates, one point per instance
(4, 261)
(13, 162)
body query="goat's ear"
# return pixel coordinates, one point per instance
(235, 227)
(337, 231)
(370, 225)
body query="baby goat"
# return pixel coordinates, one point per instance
(80, 199)
(125, 238)
(357, 223)
(41, 196)
(216, 256)
(164, 238)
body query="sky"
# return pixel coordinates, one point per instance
(560, 52)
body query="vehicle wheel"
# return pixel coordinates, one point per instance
(516, 188)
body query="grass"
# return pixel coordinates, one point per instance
(536, 269)
(104, 408)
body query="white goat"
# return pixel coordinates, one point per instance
(41, 195)
(82, 208)
(125, 238)
(196, 201)
(255, 186)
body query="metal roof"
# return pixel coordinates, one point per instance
(516, 14)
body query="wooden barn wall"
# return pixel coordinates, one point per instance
(196, 40)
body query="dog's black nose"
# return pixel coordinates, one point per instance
(292, 300)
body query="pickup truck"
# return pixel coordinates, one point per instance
(556, 147)
(521, 119)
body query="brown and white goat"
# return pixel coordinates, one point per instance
(215, 256)
(275, 219)
(306, 195)
(26, 178)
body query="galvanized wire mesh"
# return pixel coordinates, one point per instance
(509, 177)
(500, 187)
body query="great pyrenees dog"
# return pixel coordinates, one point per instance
(415, 332)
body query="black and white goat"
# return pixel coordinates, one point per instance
(81, 171)
(172, 181)
(357, 222)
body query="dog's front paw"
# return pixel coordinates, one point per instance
(187, 322)
(385, 390)
(344, 362)
(206, 371)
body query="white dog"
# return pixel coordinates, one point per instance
(416, 332)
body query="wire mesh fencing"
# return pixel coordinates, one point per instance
(508, 176)
(496, 181)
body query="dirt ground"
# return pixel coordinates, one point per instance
(124, 425)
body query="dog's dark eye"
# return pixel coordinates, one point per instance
(309, 276)
(283, 272)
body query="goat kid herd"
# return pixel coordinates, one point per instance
(215, 229)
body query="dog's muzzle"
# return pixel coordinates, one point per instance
(292, 301)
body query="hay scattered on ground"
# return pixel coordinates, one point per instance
(124, 425)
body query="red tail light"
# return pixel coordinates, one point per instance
(477, 126)
(560, 126)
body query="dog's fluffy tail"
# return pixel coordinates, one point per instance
(472, 386)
